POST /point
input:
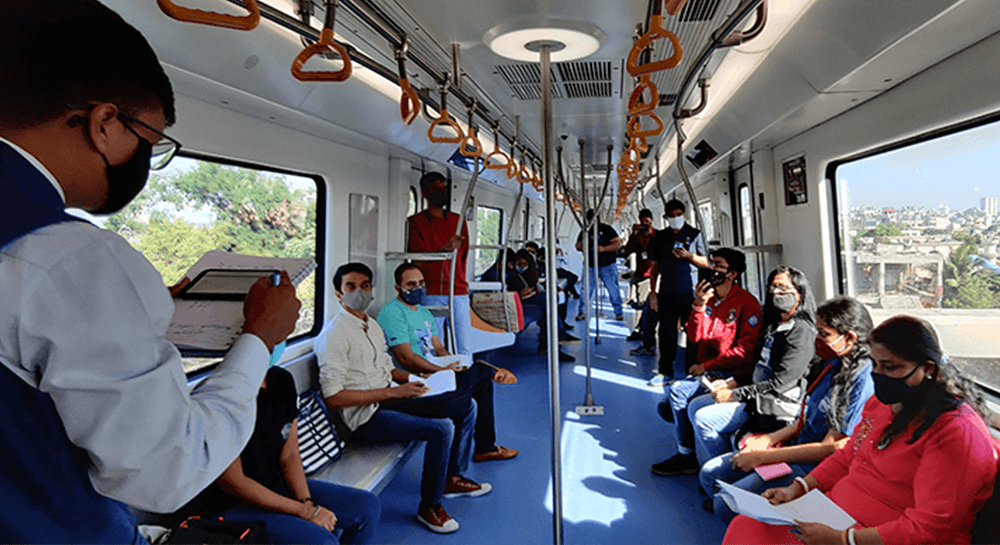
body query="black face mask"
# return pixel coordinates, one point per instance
(889, 390)
(438, 200)
(717, 278)
(126, 180)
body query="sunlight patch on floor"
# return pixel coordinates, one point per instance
(615, 378)
(587, 464)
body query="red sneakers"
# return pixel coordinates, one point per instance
(436, 519)
(457, 486)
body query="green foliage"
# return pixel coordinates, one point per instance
(488, 228)
(966, 284)
(884, 230)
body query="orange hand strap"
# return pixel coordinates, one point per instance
(656, 31)
(211, 18)
(324, 45)
(446, 120)
(409, 102)
(635, 126)
(504, 159)
(673, 7)
(471, 140)
(635, 104)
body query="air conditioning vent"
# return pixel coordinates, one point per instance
(698, 10)
(668, 99)
(585, 79)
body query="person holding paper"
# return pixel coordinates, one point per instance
(97, 415)
(413, 338)
(836, 394)
(919, 465)
(379, 402)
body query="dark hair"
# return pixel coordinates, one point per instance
(402, 268)
(531, 275)
(736, 260)
(915, 341)
(646, 213)
(338, 277)
(771, 318)
(429, 178)
(590, 214)
(846, 315)
(531, 244)
(674, 204)
(110, 61)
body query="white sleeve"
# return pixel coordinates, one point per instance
(92, 332)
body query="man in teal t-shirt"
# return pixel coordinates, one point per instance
(411, 334)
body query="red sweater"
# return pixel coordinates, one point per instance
(726, 332)
(427, 233)
(927, 492)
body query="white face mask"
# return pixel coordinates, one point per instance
(676, 223)
(357, 300)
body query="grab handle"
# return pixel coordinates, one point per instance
(211, 18)
(409, 102)
(324, 45)
(446, 120)
(471, 139)
(635, 104)
(635, 126)
(673, 7)
(503, 157)
(656, 31)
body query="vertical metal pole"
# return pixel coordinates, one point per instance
(586, 272)
(553, 301)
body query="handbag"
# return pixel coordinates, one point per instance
(490, 307)
(197, 530)
(318, 441)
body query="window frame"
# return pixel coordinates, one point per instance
(320, 250)
(500, 231)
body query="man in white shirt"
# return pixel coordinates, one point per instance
(97, 412)
(379, 402)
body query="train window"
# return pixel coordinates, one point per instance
(708, 219)
(754, 281)
(489, 225)
(362, 240)
(197, 205)
(414, 200)
(919, 230)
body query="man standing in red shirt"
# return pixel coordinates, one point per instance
(722, 329)
(433, 230)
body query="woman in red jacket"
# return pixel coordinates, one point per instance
(919, 465)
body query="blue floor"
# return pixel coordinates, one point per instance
(609, 494)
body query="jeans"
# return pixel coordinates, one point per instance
(672, 309)
(570, 281)
(445, 424)
(357, 514)
(536, 310)
(721, 468)
(477, 381)
(714, 424)
(609, 277)
(463, 320)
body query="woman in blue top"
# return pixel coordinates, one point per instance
(837, 392)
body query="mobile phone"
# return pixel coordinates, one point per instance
(223, 284)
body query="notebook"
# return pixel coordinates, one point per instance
(214, 325)
(770, 472)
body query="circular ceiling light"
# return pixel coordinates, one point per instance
(522, 40)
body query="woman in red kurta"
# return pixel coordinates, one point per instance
(920, 464)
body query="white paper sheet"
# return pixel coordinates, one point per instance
(445, 361)
(438, 383)
(812, 507)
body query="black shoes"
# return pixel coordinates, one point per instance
(634, 336)
(678, 464)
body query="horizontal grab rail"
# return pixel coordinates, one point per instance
(762, 249)
(418, 256)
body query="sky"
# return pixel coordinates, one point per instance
(956, 170)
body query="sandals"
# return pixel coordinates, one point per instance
(501, 376)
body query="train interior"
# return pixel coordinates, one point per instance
(768, 139)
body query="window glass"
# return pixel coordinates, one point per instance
(362, 241)
(489, 223)
(918, 235)
(413, 202)
(754, 282)
(709, 220)
(194, 206)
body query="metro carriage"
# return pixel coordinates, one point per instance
(849, 139)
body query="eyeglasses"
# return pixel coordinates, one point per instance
(163, 150)
(781, 289)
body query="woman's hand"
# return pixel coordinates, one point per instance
(757, 442)
(722, 395)
(781, 495)
(320, 516)
(815, 532)
(747, 460)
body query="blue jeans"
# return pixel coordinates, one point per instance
(445, 422)
(721, 468)
(686, 397)
(609, 277)
(714, 423)
(463, 320)
(357, 514)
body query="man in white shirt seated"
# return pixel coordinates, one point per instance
(379, 403)
(412, 336)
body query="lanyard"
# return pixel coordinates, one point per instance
(802, 406)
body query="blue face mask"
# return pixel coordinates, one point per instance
(276, 353)
(520, 268)
(414, 296)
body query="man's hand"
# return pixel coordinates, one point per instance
(410, 389)
(526, 292)
(722, 395)
(176, 288)
(696, 370)
(456, 367)
(682, 253)
(324, 517)
(453, 244)
(652, 301)
(271, 311)
(702, 293)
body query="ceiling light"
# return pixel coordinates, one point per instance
(522, 40)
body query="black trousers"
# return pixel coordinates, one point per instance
(673, 309)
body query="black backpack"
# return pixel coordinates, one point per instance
(197, 531)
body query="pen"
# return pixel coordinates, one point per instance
(276, 278)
